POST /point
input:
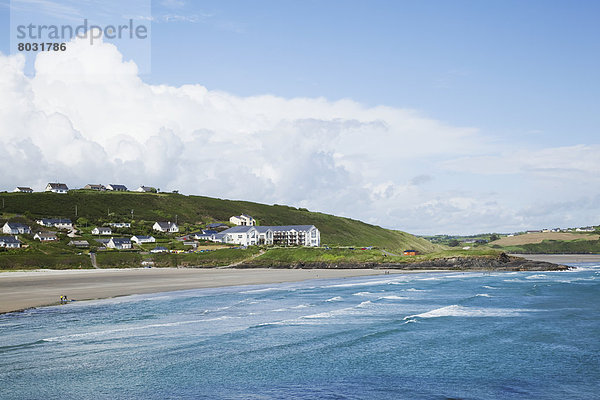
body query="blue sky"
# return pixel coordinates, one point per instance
(523, 74)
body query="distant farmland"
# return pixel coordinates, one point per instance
(532, 238)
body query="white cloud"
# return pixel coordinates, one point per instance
(87, 117)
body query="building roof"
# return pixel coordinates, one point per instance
(146, 188)
(117, 187)
(239, 229)
(103, 228)
(9, 239)
(159, 248)
(54, 221)
(166, 225)
(280, 228)
(24, 188)
(16, 225)
(79, 243)
(264, 228)
(46, 234)
(142, 237)
(58, 186)
(120, 241)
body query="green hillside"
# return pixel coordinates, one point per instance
(193, 212)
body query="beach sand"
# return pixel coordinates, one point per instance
(561, 258)
(22, 290)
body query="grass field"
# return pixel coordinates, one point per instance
(531, 238)
(193, 212)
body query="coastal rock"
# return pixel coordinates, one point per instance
(502, 262)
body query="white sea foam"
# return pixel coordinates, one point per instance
(538, 276)
(270, 289)
(482, 295)
(336, 298)
(362, 294)
(489, 287)
(129, 329)
(460, 311)
(414, 290)
(392, 297)
(367, 283)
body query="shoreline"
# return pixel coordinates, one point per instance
(561, 258)
(22, 290)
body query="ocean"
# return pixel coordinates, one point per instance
(519, 335)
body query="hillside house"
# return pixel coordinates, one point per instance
(119, 244)
(56, 188)
(60, 223)
(10, 242)
(82, 244)
(140, 239)
(146, 189)
(102, 230)
(46, 236)
(15, 228)
(242, 220)
(168, 227)
(159, 249)
(118, 225)
(116, 188)
(23, 189)
(91, 186)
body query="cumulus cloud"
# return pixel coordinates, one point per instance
(87, 117)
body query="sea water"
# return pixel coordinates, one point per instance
(519, 335)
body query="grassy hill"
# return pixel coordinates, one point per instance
(193, 212)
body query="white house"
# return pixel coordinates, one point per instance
(102, 230)
(14, 228)
(56, 188)
(10, 242)
(243, 220)
(287, 235)
(139, 239)
(23, 189)
(159, 249)
(586, 229)
(57, 223)
(169, 227)
(45, 236)
(120, 224)
(116, 188)
(98, 187)
(119, 243)
(146, 189)
(79, 243)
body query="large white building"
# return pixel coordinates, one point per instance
(287, 235)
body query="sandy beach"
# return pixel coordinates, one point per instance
(22, 290)
(561, 258)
